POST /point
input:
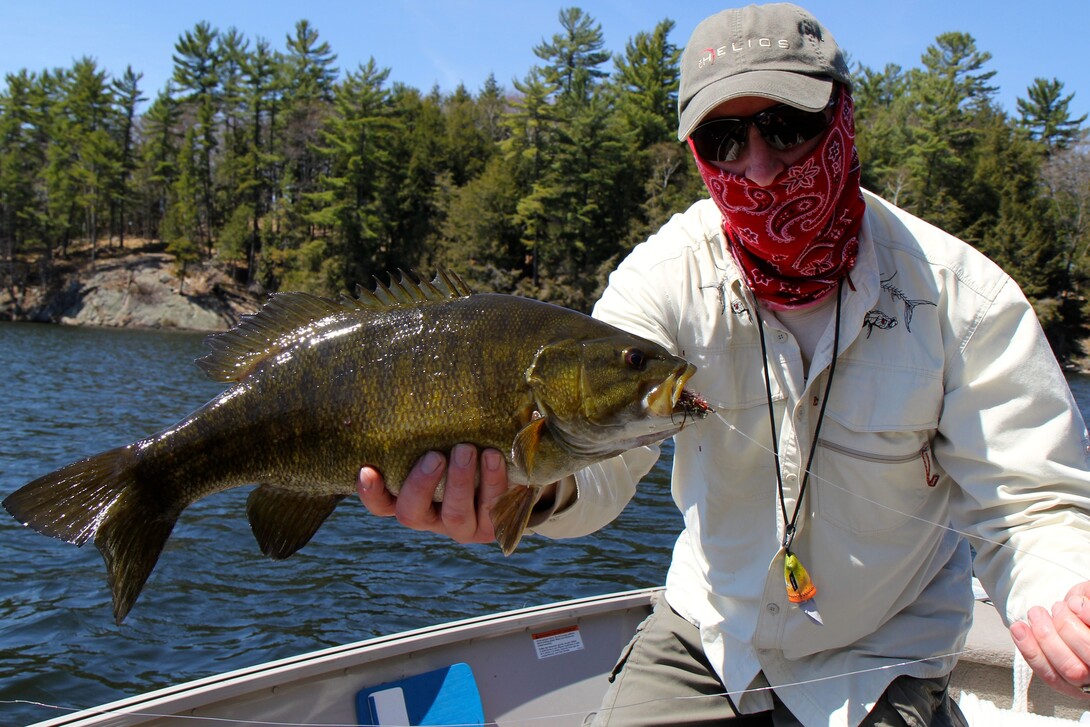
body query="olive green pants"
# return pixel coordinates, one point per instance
(663, 678)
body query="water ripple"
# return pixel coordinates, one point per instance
(214, 603)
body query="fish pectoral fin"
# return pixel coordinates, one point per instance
(525, 447)
(511, 514)
(285, 520)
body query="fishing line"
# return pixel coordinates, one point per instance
(884, 506)
(530, 720)
(523, 721)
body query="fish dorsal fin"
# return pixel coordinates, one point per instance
(289, 318)
(409, 290)
(284, 521)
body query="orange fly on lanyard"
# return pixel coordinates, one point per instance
(800, 587)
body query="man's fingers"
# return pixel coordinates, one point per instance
(1074, 634)
(493, 484)
(473, 482)
(1047, 654)
(459, 512)
(415, 502)
(373, 493)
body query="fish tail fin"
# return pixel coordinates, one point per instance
(100, 498)
(511, 515)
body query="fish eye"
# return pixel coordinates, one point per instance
(636, 359)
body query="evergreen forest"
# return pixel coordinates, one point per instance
(292, 173)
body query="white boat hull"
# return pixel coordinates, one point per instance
(536, 666)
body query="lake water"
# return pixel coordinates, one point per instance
(214, 603)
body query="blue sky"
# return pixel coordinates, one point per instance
(446, 42)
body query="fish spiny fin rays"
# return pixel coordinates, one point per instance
(284, 521)
(510, 516)
(289, 319)
(284, 322)
(100, 498)
(409, 290)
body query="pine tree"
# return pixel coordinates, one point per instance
(884, 110)
(645, 86)
(308, 87)
(573, 57)
(310, 64)
(87, 111)
(646, 82)
(182, 225)
(196, 73)
(947, 93)
(127, 94)
(354, 142)
(1047, 116)
(20, 165)
(261, 75)
(161, 138)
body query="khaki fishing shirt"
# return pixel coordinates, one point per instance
(948, 419)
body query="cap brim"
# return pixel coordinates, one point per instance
(805, 92)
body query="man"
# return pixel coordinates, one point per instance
(881, 389)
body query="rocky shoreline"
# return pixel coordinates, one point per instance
(141, 289)
(133, 290)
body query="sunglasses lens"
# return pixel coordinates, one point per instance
(720, 139)
(782, 127)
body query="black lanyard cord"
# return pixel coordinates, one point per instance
(789, 524)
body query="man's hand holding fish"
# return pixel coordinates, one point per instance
(463, 515)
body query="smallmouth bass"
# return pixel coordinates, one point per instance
(319, 388)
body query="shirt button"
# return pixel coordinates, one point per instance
(791, 477)
(773, 608)
(781, 336)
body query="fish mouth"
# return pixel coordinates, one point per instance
(663, 399)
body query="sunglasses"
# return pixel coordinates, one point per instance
(781, 126)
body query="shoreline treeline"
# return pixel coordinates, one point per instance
(293, 175)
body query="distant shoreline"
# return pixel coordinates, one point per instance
(131, 289)
(139, 288)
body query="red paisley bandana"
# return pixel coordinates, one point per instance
(795, 239)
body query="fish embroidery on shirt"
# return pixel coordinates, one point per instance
(877, 319)
(898, 294)
(883, 321)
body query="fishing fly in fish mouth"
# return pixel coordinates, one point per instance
(557, 392)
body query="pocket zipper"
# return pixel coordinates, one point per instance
(882, 458)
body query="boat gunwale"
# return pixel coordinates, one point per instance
(266, 676)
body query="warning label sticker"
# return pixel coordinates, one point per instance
(557, 642)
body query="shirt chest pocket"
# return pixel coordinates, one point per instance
(873, 469)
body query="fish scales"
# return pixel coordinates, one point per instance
(320, 388)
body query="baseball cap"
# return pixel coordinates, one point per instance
(778, 51)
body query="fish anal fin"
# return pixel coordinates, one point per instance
(510, 515)
(283, 520)
(525, 447)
